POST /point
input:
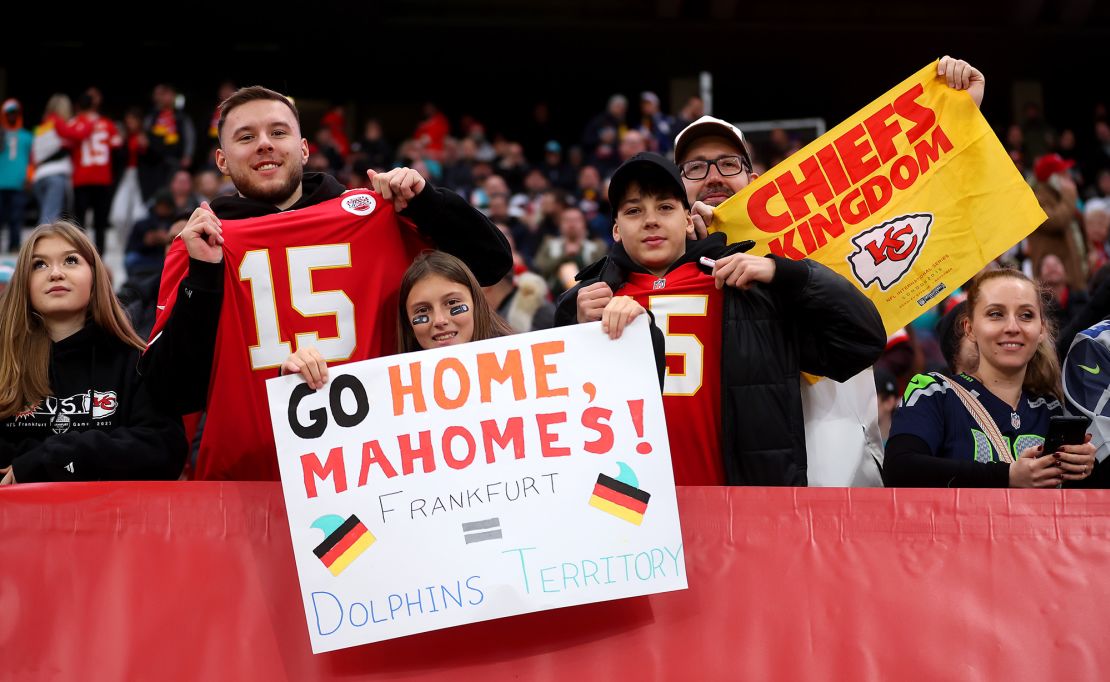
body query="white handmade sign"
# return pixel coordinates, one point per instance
(479, 481)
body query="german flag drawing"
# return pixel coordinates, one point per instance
(620, 496)
(344, 541)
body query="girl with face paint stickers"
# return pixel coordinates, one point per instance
(440, 303)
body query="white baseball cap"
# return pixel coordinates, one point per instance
(709, 126)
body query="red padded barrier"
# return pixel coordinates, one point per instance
(189, 581)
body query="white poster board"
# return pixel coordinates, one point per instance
(485, 480)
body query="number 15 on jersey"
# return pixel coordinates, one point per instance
(303, 300)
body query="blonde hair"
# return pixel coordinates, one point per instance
(24, 342)
(59, 104)
(1042, 374)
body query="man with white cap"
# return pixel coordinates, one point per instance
(716, 162)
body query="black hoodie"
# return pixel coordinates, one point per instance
(178, 366)
(99, 423)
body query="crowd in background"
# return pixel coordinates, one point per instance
(143, 174)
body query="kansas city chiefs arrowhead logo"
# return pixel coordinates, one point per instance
(359, 204)
(885, 253)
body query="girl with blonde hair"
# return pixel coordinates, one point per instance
(987, 428)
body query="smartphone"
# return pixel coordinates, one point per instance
(1064, 431)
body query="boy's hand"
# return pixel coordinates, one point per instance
(309, 364)
(618, 313)
(592, 301)
(740, 270)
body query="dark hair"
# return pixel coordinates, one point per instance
(576, 208)
(652, 182)
(253, 93)
(559, 195)
(487, 323)
(1042, 374)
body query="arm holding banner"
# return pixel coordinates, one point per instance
(963, 76)
(741, 270)
(958, 75)
(840, 331)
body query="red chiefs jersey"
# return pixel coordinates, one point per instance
(327, 276)
(687, 308)
(95, 138)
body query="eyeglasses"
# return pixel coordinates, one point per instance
(726, 166)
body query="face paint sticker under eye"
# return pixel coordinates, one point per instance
(460, 309)
(420, 319)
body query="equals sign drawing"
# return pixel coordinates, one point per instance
(480, 531)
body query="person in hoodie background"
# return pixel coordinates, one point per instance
(229, 316)
(72, 406)
(51, 156)
(15, 157)
(171, 141)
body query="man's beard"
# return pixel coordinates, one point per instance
(273, 194)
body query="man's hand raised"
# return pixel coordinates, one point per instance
(203, 235)
(702, 215)
(963, 76)
(399, 185)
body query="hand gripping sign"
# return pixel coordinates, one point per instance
(908, 199)
(479, 481)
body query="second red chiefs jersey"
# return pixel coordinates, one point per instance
(687, 308)
(325, 276)
(92, 160)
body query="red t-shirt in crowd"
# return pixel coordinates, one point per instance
(687, 308)
(326, 275)
(95, 137)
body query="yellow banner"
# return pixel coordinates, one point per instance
(908, 199)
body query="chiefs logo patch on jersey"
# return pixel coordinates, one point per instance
(359, 204)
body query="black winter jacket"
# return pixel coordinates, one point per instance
(808, 319)
(99, 424)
